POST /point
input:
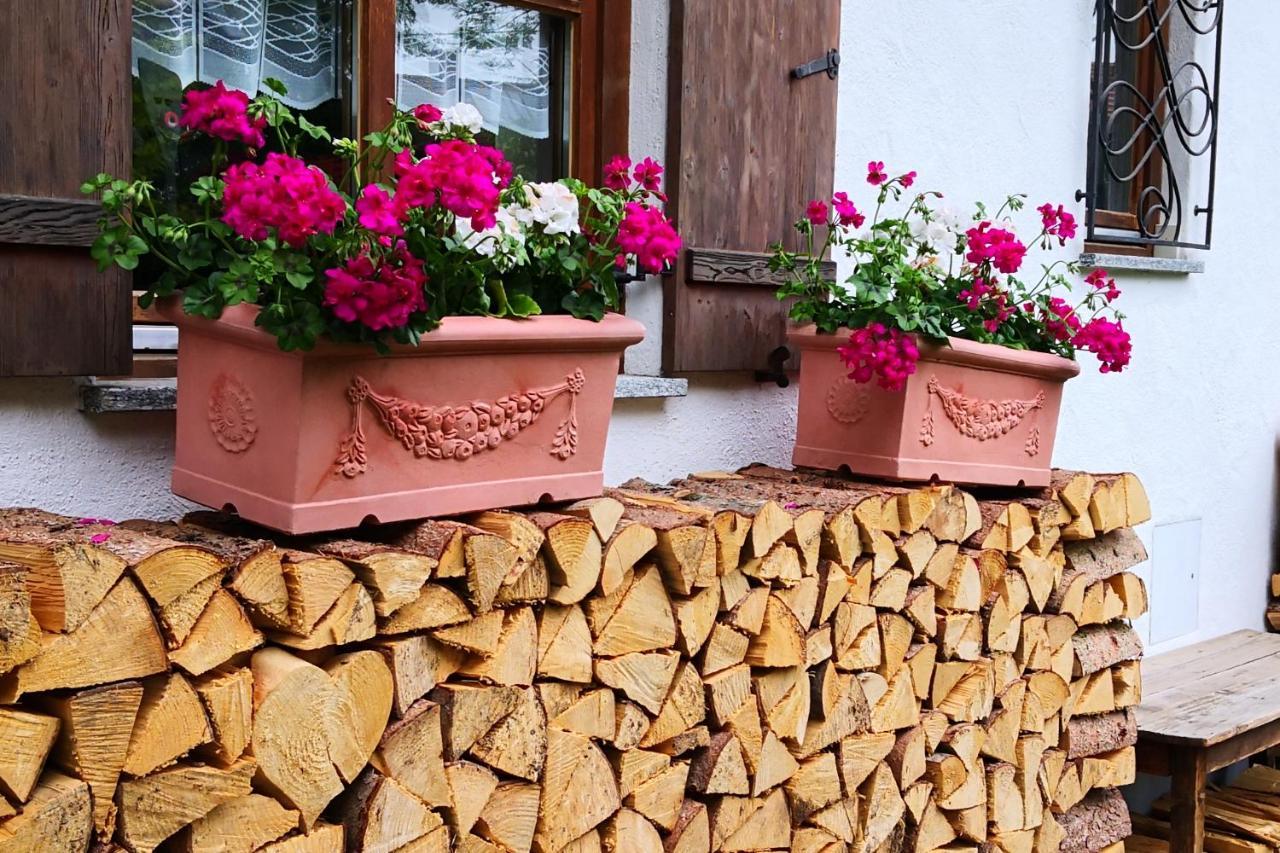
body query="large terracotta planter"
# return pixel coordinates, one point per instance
(972, 413)
(483, 413)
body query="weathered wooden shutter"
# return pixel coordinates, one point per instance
(64, 116)
(748, 146)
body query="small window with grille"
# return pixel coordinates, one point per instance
(1153, 123)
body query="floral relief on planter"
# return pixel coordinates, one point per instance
(977, 418)
(231, 414)
(456, 431)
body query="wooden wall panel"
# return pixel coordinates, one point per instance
(65, 111)
(748, 146)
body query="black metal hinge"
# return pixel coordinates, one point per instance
(829, 63)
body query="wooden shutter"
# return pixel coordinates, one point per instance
(749, 146)
(65, 108)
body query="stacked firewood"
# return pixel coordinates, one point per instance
(767, 660)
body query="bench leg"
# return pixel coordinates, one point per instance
(1186, 816)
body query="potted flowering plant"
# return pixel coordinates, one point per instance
(348, 349)
(936, 357)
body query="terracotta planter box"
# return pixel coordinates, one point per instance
(484, 413)
(972, 413)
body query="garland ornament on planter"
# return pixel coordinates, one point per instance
(403, 263)
(930, 287)
(456, 432)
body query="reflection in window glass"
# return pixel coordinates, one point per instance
(181, 44)
(505, 61)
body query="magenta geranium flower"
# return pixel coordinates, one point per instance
(222, 113)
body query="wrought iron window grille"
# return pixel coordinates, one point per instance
(1148, 143)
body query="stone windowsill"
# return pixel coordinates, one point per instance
(1140, 263)
(100, 396)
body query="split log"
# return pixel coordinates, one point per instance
(363, 694)
(379, 814)
(411, 751)
(222, 632)
(436, 606)
(393, 576)
(294, 715)
(564, 644)
(228, 702)
(158, 806)
(171, 722)
(57, 818)
(241, 825)
(637, 617)
(94, 739)
(418, 664)
(483, 559)
(25, 741)
(69, 573)
(1101, 646)
(510, 816)
(19, 630)
(579, 791)
(349, 619)
(575, 555)
(514, 659)
(118, 641)
(1100, 819)
(686, 550)
(628, 546)
(1093, 735)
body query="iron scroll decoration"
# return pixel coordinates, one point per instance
(455, 431)
(1147, 141)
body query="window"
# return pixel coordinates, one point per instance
(1153, 123)
(550, 78)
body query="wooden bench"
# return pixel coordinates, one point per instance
(1204, 707)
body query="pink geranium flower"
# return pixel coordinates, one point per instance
(648, 174)
(846, 212)
(877, 352)
(283, 194)
(222, 113)
(617, 173)
(876, 174)
(377, 294)
(816, 212)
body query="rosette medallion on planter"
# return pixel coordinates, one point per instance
(970, 413)
(483, 412)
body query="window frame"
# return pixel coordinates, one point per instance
(1169, 155)
(599, 71)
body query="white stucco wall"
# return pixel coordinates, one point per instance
(980, 99)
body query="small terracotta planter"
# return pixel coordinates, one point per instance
(971, 413)
(483, 413)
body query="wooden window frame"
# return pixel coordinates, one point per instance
(1147, 80)
(599, 67)
(599, 73)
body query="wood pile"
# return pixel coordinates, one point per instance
(762, 661)
(1243, 817)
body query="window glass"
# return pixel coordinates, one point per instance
(184, 44)
(505, 61)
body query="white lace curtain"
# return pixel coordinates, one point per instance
(242, 42)
(502, 69)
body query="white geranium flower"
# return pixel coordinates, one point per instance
(553, 206)
(950, 219)
(463, 115)
(932, 233)
(506, 236)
